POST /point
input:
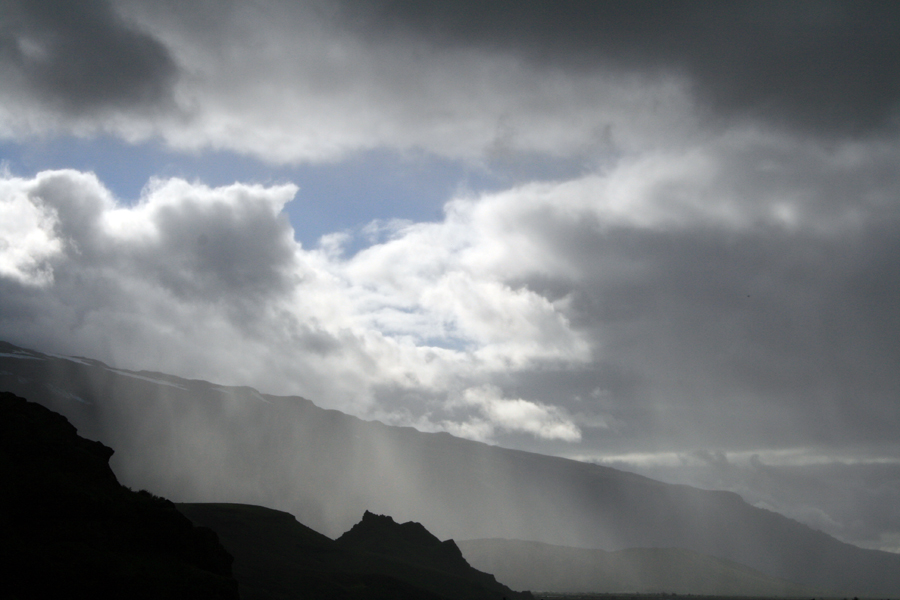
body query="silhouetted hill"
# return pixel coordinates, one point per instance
(538, 566)
(409, 542)
(69, 530)
(418, 556)
(278, 557)
(192, 440)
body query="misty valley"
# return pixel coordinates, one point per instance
(259, 496)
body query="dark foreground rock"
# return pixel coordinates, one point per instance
(278, 557)
(410, 551)
(71, 530)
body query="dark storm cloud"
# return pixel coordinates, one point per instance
(775, 326)
(742, 338)
(81, 57)
(830, 67)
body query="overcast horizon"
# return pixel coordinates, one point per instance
(662, 237)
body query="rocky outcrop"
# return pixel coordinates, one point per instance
(423, 558)
(71, 530)
(409, 542)
(275, 556)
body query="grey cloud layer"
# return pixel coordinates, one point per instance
(82, 58)
(830, 67)
(314, 81)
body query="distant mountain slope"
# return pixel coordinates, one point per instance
(544, 567)
(69, 530)
(192, 440)
(278, 557)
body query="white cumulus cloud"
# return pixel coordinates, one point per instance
(511, 414)
(209, 282)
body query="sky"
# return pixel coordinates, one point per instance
(658, 236)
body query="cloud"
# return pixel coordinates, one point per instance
(314, 81)
(721, 293)
(311, 81)
(496, 412)
(828, 68)
(27, 242)
(81, 59)
(209, 282)
(290, 82)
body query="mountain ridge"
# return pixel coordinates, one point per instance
(544, 567)
(276, 556)
(194, 441)
(70, 529)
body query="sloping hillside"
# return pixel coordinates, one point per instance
(195, 441)
(544, 567)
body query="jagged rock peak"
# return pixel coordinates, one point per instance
(380, 533)
(379, 525)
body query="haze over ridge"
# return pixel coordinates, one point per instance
(194, 441)
(657, 236)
